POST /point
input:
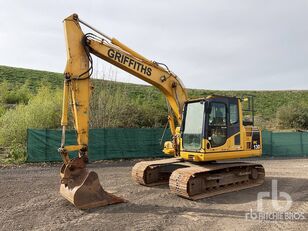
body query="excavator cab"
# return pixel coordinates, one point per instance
(214, 119)
(215, 124)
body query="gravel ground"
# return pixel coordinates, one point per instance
(29, 200)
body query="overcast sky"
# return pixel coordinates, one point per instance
(221, 44)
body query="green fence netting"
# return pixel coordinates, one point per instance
(285, 144)
(120, 143)
(104, 144)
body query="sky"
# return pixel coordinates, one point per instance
(221, 44)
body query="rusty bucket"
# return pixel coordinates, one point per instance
(83, 189)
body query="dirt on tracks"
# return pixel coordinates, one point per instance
(29, 200)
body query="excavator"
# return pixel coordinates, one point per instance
(205, 132)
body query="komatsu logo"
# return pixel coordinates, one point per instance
(131, 63)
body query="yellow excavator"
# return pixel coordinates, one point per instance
(204, 131)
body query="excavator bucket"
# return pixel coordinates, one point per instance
(83, 189)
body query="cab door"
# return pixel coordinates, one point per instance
(234, 121)
(223, 125)
(217, 131)
(192, 126)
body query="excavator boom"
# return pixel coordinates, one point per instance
(78, 185)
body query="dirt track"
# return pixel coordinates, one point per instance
(29, 199)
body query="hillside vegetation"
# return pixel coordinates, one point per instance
(266, 102)
(32, 99)
(34, 78)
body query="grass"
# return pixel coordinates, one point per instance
(34, 78)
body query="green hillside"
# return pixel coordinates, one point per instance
(266, 102)
(19, 76)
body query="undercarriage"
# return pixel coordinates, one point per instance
(195, 181)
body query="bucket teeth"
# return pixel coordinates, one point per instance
(85, 191)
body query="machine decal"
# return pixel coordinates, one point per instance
(121, 58)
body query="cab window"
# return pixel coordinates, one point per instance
(192, 133)
(233, 113)
(217, 132)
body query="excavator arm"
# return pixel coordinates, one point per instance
(77, 183)
(79, 67)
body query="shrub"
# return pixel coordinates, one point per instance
(293, 116)
(42, 111)
(112, 106)
(4, 91)
(2, 109)
(17, 153)
(10, 95)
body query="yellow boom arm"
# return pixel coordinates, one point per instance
(78, 70)
(78, 185)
